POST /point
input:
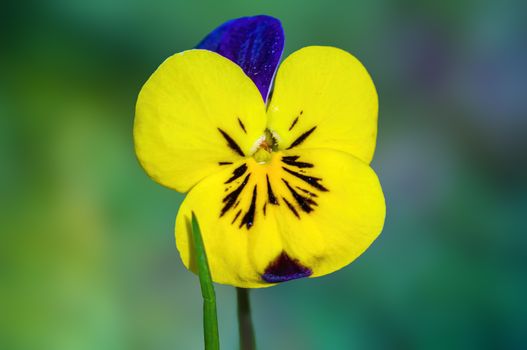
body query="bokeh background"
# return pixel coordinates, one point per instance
(87, 257)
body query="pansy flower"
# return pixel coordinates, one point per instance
(281, 185)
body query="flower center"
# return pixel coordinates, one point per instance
(265, 146)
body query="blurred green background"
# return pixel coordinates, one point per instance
(87, 257)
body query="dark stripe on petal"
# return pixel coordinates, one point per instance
(231, 198)
(294, 123)
(284, 268)
(231, 143)
(236, 217)
(265, 208)
(313, 181)
(224, 163)
(270, 194)
(291, 160)
(309, 193)
(304, 203)
(302, 138)
(242, 126)
(248, 218)
(290, 206)
(239, 171)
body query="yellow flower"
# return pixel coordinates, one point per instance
(280, 191)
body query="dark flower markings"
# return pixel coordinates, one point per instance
(305, 199)
(305, 203)
(291, 160)
(231, 143)
(271, 197)
(236, 217)
(284, 268)
(248, 218)
(291, 207)
(293, 124)
(313, 181)
(302, 138)
(295, 121)
(309, 193)
(231, 198)
(241, 125)
(239, 171)
(301, 200)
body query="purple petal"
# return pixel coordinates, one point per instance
(283, 269)
(254, 43)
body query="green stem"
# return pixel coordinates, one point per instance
(245, 324)
(210, 316)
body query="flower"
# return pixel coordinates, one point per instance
(282, 190)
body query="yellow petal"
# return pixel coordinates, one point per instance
(324, 98)
(306, 213)
(196, 113)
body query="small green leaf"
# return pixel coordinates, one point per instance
(210, 316)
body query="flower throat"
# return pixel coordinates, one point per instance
(266, 146)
